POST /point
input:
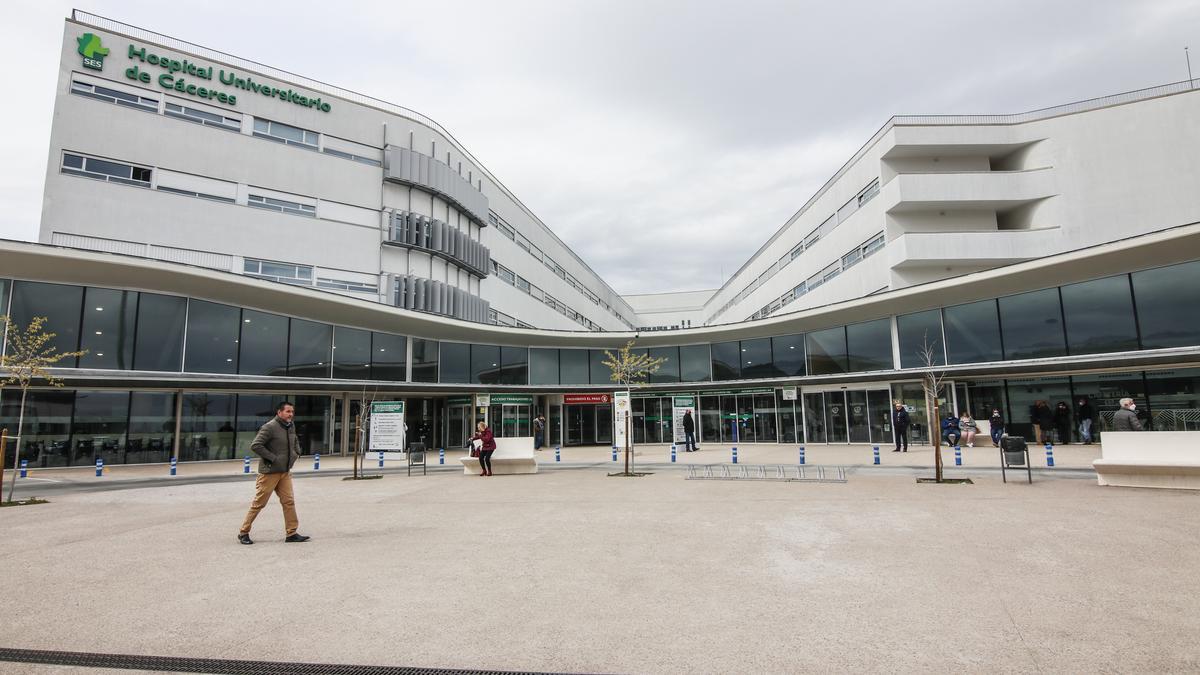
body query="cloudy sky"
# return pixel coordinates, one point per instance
(663, 141)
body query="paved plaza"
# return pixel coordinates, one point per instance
(572, 570)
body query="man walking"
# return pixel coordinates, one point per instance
(900, 426)
(539, 432)
(1126, 419)
(278, 449)
(689, 432)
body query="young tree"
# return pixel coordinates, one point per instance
(29, 353)
(932, 384)
(627, 370)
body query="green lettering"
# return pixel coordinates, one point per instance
(152, 59)
(179, 85)
(165, 80)
(221, 77)
(223, 97)
(191, 89)
(232, 99)
(139, 53)
(202, 92)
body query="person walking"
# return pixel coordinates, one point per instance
(967, 428)
(996, 423)
(689, 432)
(278, 449)
(1126, 418)
(539, 432)
(1085, 414)
(1043, 421)
(1062, 422)
(900, 426)
(487, 445)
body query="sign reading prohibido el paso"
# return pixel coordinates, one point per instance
(387, 426)
(577, 399)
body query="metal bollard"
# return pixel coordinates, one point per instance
(876, 451)
(99, 466)
(24, 468)
(316, 461)
(557, 453)
(246, 465)
(735, 454)
(957, 456)
(614, 453)
(672, 453)
(802, 454)
(381, 459)
(441, 455)
(174, 461)
(1049, 455)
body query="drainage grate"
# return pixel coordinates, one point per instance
(225, 666)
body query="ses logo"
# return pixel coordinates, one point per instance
(92, 51)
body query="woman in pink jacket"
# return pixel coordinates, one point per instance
(484, 434)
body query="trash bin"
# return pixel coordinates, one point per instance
(1013, 448)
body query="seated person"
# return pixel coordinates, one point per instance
(950, 429)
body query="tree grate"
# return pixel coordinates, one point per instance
(177, 664)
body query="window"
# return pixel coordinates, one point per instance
(826, 351)
(873, 245)
(514, 365)
(388, 357)
(869, 345)
(281, 205)
(99, 425)
(309, 347)
(60, 304)
(522, 284)
(160, 326)
(109, 325)
(695, 363)
(669, 370)
(756, 359)
(868, 193)
(287, 273)
(151, 427)
(1099, 316)
(263, 346)
(972, 332)
(212, 338)
(285, 133)
(797, 251)
(103, 169)
(425, 360)
(787, 354)
(543, 366)
(345, 285)
(915, 332)
(96, 91)
(573, 366)
(1165, 298)
(206, 427)
(1031, 325)
(600, 373)
(726, 361)
(852, 258)
(456, 362)
(208, 119)
(351, 353)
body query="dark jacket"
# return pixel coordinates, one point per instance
(489, 439)
(689, 424)
(1062, 416)
(996, 422)
(950, 425)
(1126, 420)
(1043, 416)
(277, 445)
(1084, 411)
(900, 419)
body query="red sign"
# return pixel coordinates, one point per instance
(574, 399)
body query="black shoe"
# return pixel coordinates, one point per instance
(896, 450)
(297, 538)
(244, 539)
(904, 450)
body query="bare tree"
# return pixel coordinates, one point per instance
(629, 369)
(361, 424)
(29, 353)
(932, 384)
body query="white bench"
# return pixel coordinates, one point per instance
(512, 455)
(1152, 459)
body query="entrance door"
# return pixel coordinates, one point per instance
(859, 418)
(836, 416)
(814, 418)
(458, 425)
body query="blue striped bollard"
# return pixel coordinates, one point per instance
(802, 454)
(246, 464)
(174, 461)
(876, 451)
(735, 454)
(381, 459)
(316, 461)
(1049, 455)
(614, 453)
(441, 455)
(99, 466)
(957, 455)
(672, 453)
(557, 453)
(24, 468)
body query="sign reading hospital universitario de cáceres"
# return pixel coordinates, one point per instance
(186, 77)
(387, 425)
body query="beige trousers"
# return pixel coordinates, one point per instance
(280, 484)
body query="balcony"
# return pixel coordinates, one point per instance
(969, 190)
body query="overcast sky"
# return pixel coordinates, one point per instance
(663, 141)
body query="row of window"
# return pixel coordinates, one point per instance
(509, 231)
(126, 330)
(521, 283)
(216, 118)
(301, 275)
(855, 256)
(819, 232)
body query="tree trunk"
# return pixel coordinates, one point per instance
(3, 451)
(935, 431)
(17, 452)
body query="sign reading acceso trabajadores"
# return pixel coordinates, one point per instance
(189, 78)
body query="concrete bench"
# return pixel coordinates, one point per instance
(512, 455)
(1153, 459)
